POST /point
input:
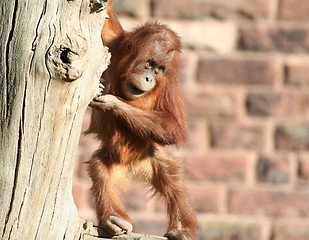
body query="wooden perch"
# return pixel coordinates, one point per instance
(92, 232)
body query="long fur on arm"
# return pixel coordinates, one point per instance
(159, 126)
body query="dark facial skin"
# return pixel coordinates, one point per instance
(147, 72)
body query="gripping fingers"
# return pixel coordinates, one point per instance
(96, 105)
(104, 102)
(101, 90)
(117, 226)
(101, 87)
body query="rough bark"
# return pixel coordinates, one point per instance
(51, 58)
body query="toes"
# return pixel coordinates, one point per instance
(178, 235)
(123, 224)
(112, 228)
(117, 226)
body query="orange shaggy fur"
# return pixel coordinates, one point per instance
(135, 131)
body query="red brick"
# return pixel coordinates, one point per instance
(274, 38)
(249, 70)
(213, 104)
(303, 170)
(221, 9)
(197, 134)
(187, 70)
(288, 104)
(81, 194)
(218, 167)
(293, 105)
(294, 9)
(238, 136)
(273, 169)
(229, 230)
(292, 137)
(135, 197)
(262, 103)
(269, 202)
(174, 9)
(87, 145)
(135, 8)
(86, 120)
(206, 198)
(290, 231)
(206, 34)
(252, 9)
(297, 74)
(210, 193)
(149, 224)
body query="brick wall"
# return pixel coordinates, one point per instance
(246, 81)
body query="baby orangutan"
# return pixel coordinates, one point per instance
(142, 112)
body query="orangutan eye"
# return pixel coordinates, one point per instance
(151, 63)
(129, 46)
(162, 68)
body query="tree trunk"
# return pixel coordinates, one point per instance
(51, 58)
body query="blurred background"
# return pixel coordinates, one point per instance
(245, 78)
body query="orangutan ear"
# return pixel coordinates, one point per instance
(112, 28)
